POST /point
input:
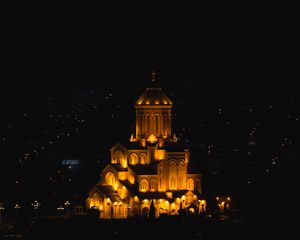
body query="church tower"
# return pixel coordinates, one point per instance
(153, 115)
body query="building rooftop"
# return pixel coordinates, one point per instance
(153, 96)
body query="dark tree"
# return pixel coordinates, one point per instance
(152, 210)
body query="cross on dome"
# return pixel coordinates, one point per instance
(153, 76)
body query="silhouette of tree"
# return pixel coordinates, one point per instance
(152, 210)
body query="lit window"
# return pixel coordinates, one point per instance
(190, 184)
(144, 186)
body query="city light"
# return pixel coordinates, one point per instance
(17, 206)
(36, 205)
(67, 204)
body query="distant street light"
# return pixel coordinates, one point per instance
(36, 205)
(17, 207)
(1, 210)
(223, 203)
(60, 210)
(67, 204)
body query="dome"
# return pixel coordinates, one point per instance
(153, 96)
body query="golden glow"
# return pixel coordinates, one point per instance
(217, 198)
(160, 154)
(132, 139)
(122, 175)
(152, 138)
(131, 179)
(169, 194)
(123, 192)
(136, 199)
(190, 184)
(144, 185)
(228, 199)
(123, 162)
(133, 158)
(110, 179)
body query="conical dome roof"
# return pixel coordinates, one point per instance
(153, 95)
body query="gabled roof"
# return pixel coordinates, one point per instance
(133, 188)
(109, 192)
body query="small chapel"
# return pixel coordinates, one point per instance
(151, 170)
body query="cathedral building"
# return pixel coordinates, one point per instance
(152, 168)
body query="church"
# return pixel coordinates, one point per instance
(151, 170)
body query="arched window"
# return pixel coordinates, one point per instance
(110, 179)
(148, 124)
(190, 184)
(143, 158)
(181, 174)
(133, 159)
(172, 175)
(96, 199)
(144, 186)
(164, 124)
(173, 179)
(140, 124)
(120, 209)
(156, 124)
(121, 159)
(153, 185)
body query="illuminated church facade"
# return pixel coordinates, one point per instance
(152, 168)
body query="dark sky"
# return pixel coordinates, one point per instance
(59, 45)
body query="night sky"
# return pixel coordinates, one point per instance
(53, 46)
(72, 70)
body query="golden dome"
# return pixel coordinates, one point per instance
(153, 96)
